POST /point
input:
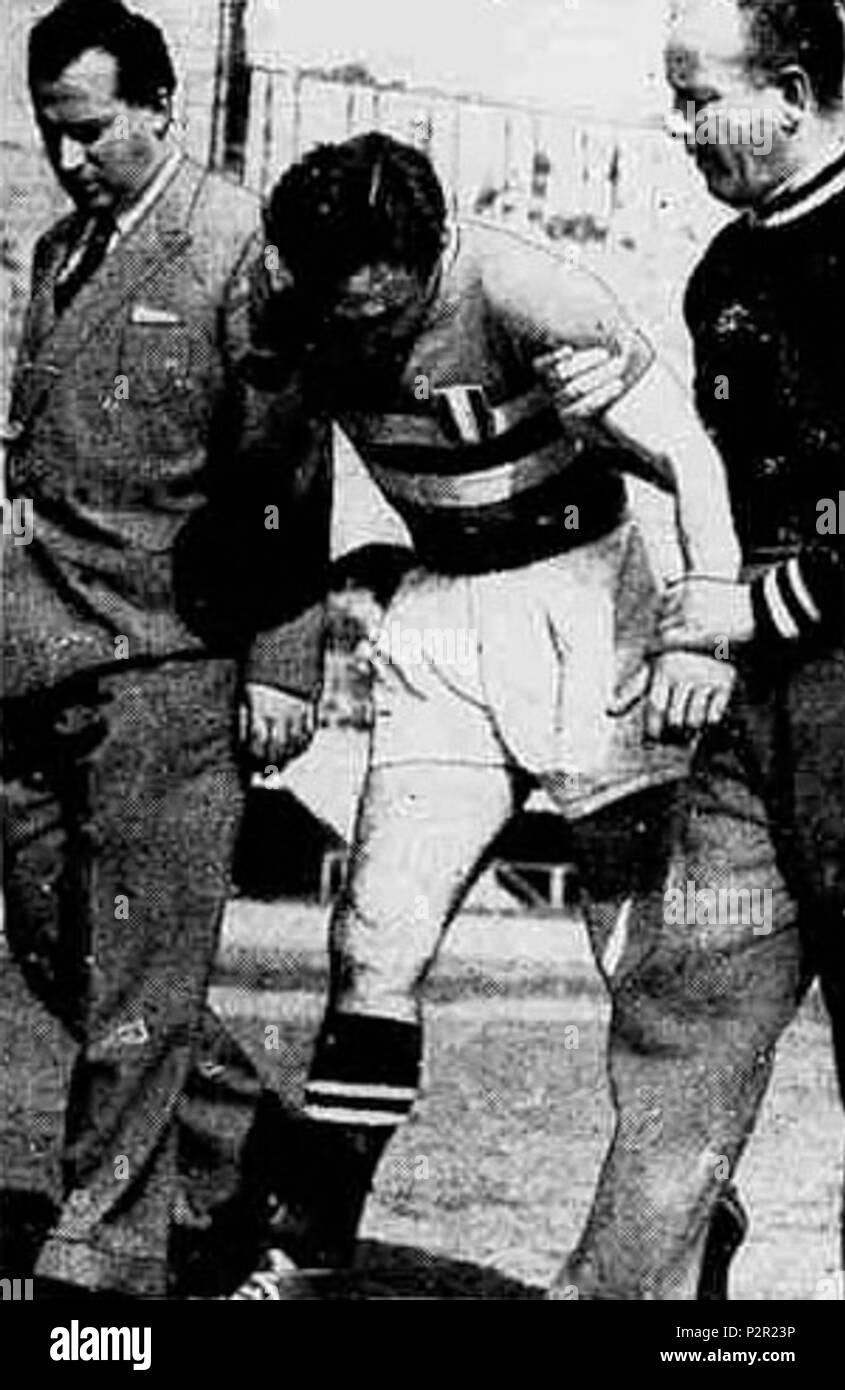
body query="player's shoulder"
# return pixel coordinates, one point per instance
(224, 223)
(226, 205)
(507, 256)
(528, 277)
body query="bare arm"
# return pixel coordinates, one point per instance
(657, 420)
(602, 371)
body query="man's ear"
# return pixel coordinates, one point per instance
(163, 111)
(796, 91)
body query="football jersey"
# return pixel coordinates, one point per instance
(465, 440)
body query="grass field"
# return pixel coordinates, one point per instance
(485, 1190)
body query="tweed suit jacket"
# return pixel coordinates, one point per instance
(177, 508)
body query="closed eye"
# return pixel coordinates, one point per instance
(694, 96)
(86, 132)
(81, 132)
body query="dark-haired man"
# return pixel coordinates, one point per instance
(180, 533)
(433, 350)
(765, 807)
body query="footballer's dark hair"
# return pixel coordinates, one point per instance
(371, 198)
(809, 34)
(145, 68)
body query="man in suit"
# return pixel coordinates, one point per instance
(180, 534)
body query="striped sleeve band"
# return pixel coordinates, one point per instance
(801, 597)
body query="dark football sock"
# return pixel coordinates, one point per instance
(365, 1072)
(362, 1084)
(727, 1230)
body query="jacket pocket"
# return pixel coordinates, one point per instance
(158, 361)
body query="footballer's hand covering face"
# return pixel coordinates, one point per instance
(367, 329)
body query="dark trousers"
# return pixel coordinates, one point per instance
(817, 708)
(699, 1004)
(790, 746)
(121, 802)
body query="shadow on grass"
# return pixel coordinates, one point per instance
(390, 1272)
(403, 1271)
(25, 1219)
(382, 1271)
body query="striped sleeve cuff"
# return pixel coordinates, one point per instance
(800, 598)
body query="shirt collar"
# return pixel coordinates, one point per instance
(803, 193)
(128, 218)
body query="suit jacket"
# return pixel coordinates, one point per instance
(178, 509)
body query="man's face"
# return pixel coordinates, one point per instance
(737, 123)
(371, 323)
(102, 150)
(378, 305)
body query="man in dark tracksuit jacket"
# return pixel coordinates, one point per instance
(765, 308)
(180, 529)
(764, 810)
(767, 795)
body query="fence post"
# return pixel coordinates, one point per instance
(296, 89)
(267, 130)
(218, 100)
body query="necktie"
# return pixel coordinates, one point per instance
(70, 281)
